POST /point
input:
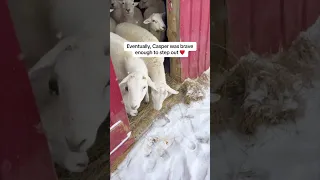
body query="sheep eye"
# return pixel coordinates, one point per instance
(153, 20)
(126, 88)
(144, 87)
(132, 3)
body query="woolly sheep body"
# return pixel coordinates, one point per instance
(113, 25)
(155, 66)
(131, 71)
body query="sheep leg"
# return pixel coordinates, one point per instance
(146, 98)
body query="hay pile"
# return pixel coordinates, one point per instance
(264, 90)
(194, 89)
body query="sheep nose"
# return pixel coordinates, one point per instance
(134, 107)
(128, 10)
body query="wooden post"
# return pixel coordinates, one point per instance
(218, 27)
(173, 33)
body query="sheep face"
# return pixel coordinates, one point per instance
(115, 4)
(163, 91)
(135, 87)
(83, 86)
(128, 7)
(155, 22)
(82, 75)
(145, 4)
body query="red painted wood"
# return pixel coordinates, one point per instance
(24, 152)
(264, 26)
(121, 150)
(312, 11)
(292, 19)
(239, 14)
(118, 133)
(194, 27)
(117, 112)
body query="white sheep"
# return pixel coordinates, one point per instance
(155, 65)
(144, 4)
(153, 20)
(55, 129)
(126, 11)
(116, 14)
(82, 69)
(133, 74)
(113, 23)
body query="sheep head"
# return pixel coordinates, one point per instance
(135, 87)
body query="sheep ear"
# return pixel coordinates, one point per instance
(124, 80)
(151, 84)
(170, 90)
(136, 3)
(50, 59)
(147, 21)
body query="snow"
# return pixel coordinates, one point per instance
(288, 151)
(176, 146)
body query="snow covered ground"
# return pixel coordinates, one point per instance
(288, 151)
(176, 147)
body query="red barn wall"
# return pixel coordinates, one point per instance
(120, 140)
(264, 26)
(195, 27)
(24, 152)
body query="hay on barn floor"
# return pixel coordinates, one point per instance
(264, 90)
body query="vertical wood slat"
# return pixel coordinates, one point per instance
(194, 27)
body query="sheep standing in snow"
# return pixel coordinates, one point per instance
(112, 22)
(132, 72)
(159, 4)
(82, 70)
(155, 66)
(153, 20)
(126, 11)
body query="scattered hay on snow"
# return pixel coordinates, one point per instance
(195, 88)
(265, 90)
